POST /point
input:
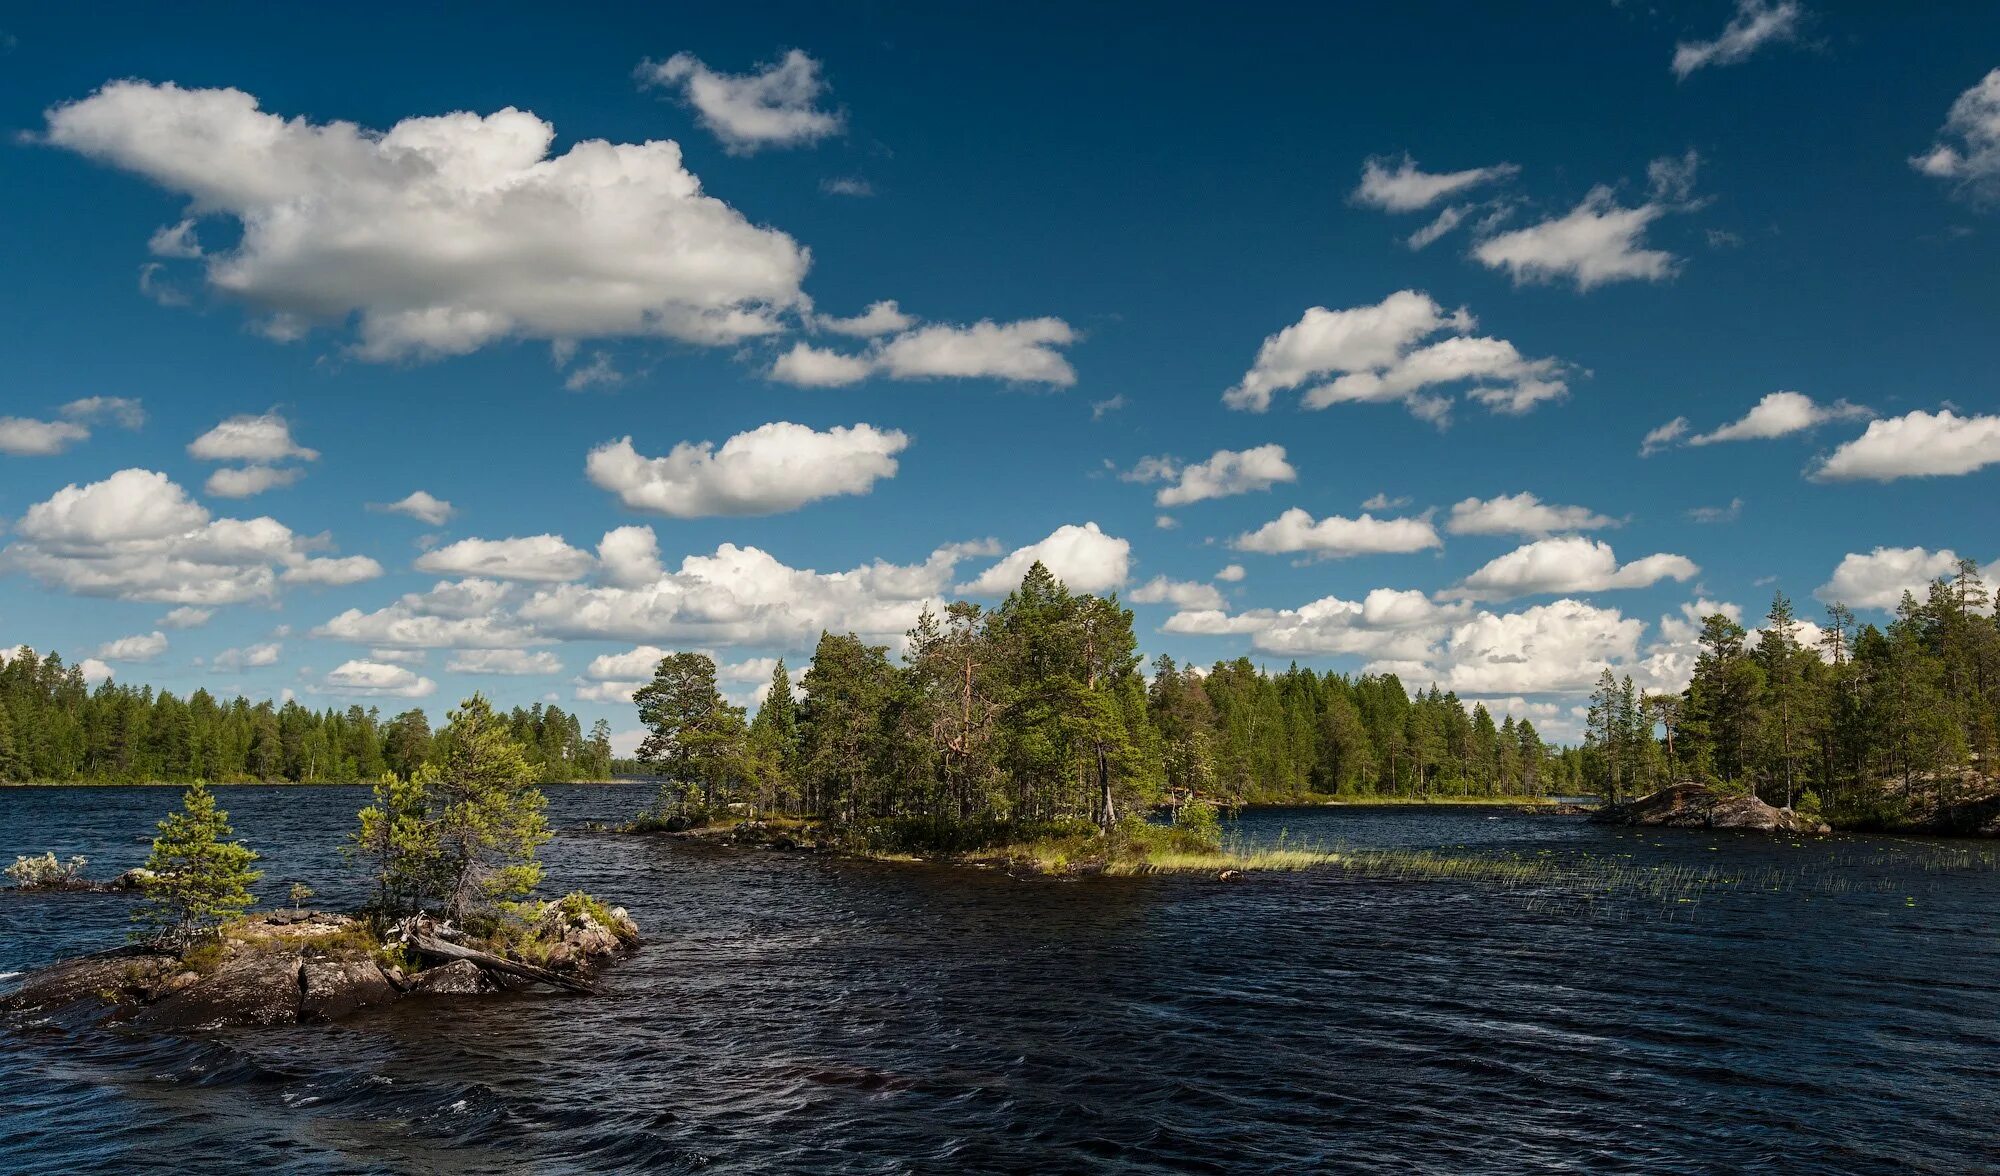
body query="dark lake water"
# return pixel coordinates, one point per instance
(1838, 1011)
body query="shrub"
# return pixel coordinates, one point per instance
(1199, 827)
(46, 873)
(200, 878)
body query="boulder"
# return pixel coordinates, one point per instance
(132, 879)
(458, 978)
(1689, 805)
(121, 971)
(244, 988)
(334, 987)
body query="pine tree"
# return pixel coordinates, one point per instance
(696, 739)
(484, 814)
(200, 878)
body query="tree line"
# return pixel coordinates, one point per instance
(55, 729)
(1867, 724)
(1037, 711)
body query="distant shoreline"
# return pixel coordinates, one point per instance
(281, 783)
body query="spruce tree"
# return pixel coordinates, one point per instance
(200, 877)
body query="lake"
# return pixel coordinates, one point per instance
(1833, 1009)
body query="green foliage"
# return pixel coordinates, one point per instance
(56, 728)
(45, 872)
(1199, 825)
(695, 740)
(200, 877)
(460, 834)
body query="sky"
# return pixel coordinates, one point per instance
(384, 358)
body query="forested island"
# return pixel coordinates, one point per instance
(1033, 721)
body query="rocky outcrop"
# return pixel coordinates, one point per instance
(1688, 805)
(293, 967)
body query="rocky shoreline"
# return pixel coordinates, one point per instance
(1689, 805)
(291, 967)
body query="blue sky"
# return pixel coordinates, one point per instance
(278, 234)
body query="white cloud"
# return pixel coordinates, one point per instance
(504, 661)
(421, 505)
(1231, 574)
(881, 318)
(142, 647)
(1597, 242)
(600, 372)
(1226, 473)
(817, 367)
(1388, 623)
(446, 233)
(1182, 594)
(1021, 352)
(367, 679)
(613, 677)
(846, 186)
(249, 480)
(469, 614)
(1446, 220)
(1716, 514)
(250, 656)
(1568, 564)
(1664, 437)
(534, 557)
(1084, 558)
(744, 596)
(1916, 445)
(1373, 353)
(1780, 414)
(1521, 514)
(187, 618)
(137, 535)
(1974, 160)
(1757, 23)
(23, 437)
(250, 437)
(1879, 579)
(770, 469)
(94, 670)
(1550, 648)
(772, 107)
(331, 571)
(1335, 537)
(124, 411)
(1408, 187)
(1381, 500)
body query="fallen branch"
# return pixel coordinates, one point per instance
(441, 949)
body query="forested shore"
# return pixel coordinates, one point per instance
(56, 729)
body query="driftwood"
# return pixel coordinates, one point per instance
(443, 949)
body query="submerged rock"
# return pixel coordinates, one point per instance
(458, 978)
(1689, 805)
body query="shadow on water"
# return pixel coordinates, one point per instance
(1829, 1011)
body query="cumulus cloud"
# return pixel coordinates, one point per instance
(1182, 594)
(467, 614)
(1597, 242)
(1916, 445)
(142, 647)
(743, 596)
(26, 437)
(881, 318)
(369, 679)
(1558, 647)
(1388, 624)
(1521, 514)
(138, 536)
(1231, 574)
(187, 618)
(1020, 352)
(1780, 414)
(93, 670)
(1084, 558)
(250, 437)
(1879, 578)
(1968, 148)
(504, 661)
(1335, 537)
(614, 677)
(420, 505)
(123, 411)
(250, 656)
(249, 480)
(1374, 355)
(1757, 23)
(1226, 473)
(444, 234)
(545, 558)
(1406, 187)
(774, 106)
(1567, 564)
(770, 469)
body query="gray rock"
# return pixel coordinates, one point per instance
(246, 988)
(458, 978)
(1689, 805)
(332, 988)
